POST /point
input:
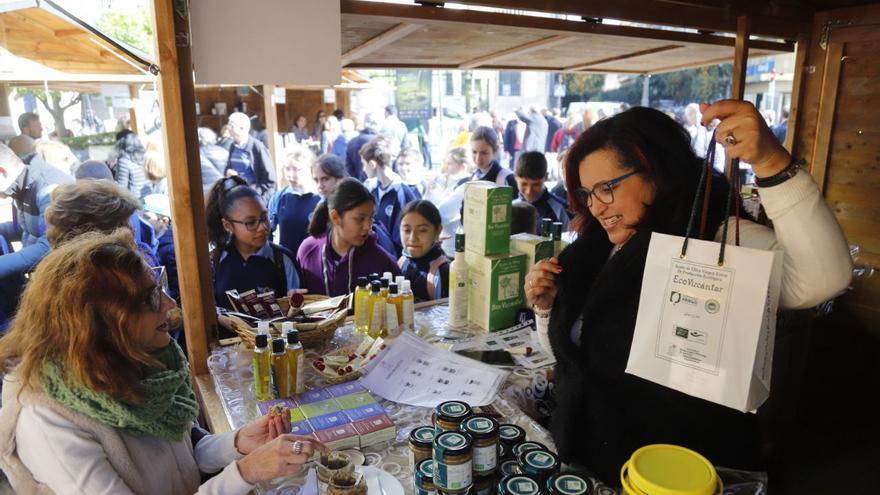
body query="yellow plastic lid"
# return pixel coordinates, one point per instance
(663, 469)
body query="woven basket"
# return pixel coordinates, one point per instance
(310, 334)
(334, 380)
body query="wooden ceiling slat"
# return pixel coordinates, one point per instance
(517, 50)
(650, 51)
(384, 39)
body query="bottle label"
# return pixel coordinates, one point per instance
(300, 373)
(391, 322)
(457, 299)
(378, 317)
(453, 476)
(361, 316)
(408, 311)
(485, 458)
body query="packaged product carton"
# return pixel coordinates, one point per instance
(495, 289)
(375, 430)
(536, 248)
(487, 214)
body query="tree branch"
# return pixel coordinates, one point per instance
(43, 100)
(72, 102)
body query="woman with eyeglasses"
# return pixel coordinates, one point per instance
(629, 176)
(97, 398)
(243, 256)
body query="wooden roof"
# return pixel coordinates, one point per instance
(46, 34)
(378, 35)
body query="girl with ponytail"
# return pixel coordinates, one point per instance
(342, 245)
(242, 256)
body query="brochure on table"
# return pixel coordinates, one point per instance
(517, 337)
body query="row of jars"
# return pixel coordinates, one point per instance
(468, 453)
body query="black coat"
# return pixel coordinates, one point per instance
(264, 167)
(603, 414)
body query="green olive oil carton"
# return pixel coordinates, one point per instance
(487, 214)
(495, 289)
(536, 248)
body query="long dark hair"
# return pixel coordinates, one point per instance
(348, 194)
(129, 144)
(332, 165)
(654, 145)
(223, 194)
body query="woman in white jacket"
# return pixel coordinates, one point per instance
(97, 397)
(635, 174)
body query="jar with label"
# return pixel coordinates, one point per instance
(421, 445)
(568, 484)
(511, 435)
(483, 485)
(424, 478)
(539, 464)
(525, 447)
(484, 430)
(449, 415)
(518, 484)
(453, 462)
(509, 467)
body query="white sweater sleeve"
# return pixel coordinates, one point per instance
(816, 261)
(63, 457)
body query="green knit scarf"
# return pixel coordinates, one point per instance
(169, 402)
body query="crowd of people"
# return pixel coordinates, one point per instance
(96, 234)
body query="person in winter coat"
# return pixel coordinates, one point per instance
(128, 171)
(249, 158)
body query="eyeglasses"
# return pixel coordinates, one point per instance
(154, 299)
(252, 225)
(604, 191)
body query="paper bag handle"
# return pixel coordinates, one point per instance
(703, 190)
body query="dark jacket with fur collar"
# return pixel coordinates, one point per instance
(603, 414)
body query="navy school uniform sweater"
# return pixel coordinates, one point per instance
(389, 205)
(291, 212)
(271, 267)
(551, 206)
(428, 274)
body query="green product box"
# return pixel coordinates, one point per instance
(352, 401)
(495, 289)
(536, 248)
(296, 415)
(316, 409)
(487, 214)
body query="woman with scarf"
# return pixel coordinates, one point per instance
(631, 175)
(97, 397)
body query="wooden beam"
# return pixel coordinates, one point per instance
(61, 33)
(649, 51)
(134, 96)
(380, 41)
(786, 23)
(4, 100)
(547, 42)
(740, 61)
(825, 121)
(270, 111)
(797, 91)
(177, 104)
(437, 16)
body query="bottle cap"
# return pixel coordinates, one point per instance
(399, 280)
(459, 243)
(388, 275)
(286, 326)
(546, 223)
(392, 289)
(261, 340)
(362, 281)
(376, 286)
(292, 337)
(556, 231)
(263, 327)
(374, 276)
(384, 283)
(406, 286)
(277, 345)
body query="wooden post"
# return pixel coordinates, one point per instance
(134, 95)
(4, 100)
(177, 103)
(740, 61)
(797, 90)
(271, 111)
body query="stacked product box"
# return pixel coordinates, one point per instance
(342, 416)
(495, 274)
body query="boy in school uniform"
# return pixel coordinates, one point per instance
(531, 174)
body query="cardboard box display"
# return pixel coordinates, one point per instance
(331, 420)
(340, 437)
(364, 412)
(352, 401)
(301, 428)
(487, 214)
(296, 414)
(320, 408)
(345, 389)
(536, 248)
(495, 289)
(312, 396)
(375, 430)
(265, 406)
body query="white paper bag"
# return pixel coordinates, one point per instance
(707, 330)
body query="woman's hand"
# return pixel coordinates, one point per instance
(262, 430)
(278, 458)
(745, 135)
(541, 283)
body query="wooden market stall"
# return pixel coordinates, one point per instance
(832, 121)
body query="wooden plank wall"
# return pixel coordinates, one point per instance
(839, 120)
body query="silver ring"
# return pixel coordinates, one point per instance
(297, 447)
(730, 139)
